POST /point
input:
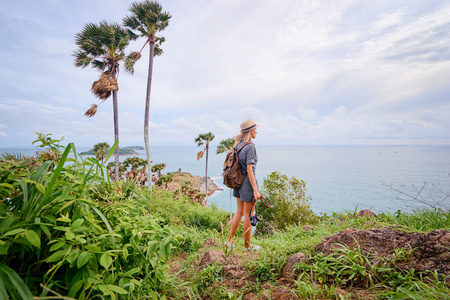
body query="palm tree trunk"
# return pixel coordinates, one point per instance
(116, 134)
(206, 175)
(147, 112)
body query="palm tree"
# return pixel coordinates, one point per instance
(100, 150)
(102, 46)
(158, 169)
(147, 19)
(225, 146)
(137, 168)
(204, 139)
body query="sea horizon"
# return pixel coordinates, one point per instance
(338, 177)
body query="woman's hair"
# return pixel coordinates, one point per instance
(246, 136)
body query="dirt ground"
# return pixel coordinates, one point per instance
(427, 252)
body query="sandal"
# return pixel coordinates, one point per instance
(253, 248)
(228, 245)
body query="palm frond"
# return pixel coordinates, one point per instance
(130, 61)
(160, 40)
(148, 18)
(91, 111)
(157, 51)
(13, 157)
(101, 45)
(81, 59)
(98, 64)
(199, 155)
(225, 145)
(131, 22)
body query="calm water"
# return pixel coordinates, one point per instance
(337, 178)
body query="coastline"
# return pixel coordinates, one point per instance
(196, 181)
(213, 188)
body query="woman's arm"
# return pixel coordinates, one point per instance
(252, 179)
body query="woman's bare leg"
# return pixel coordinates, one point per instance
(236, 220)
(247, 225)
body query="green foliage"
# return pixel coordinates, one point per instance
(102, 46)
(135, 163)
(46, 142)
(347, 267)
(12, 284)
(421, 219)
(204, 139)
(268, 266)
(225, 146)
(53, 234)
(289, 204)
(16, 160)
(183, 212)
(308, 289)
(210, 275)
(100, 150)
(147, 19)
(66, 230)
(164, 180)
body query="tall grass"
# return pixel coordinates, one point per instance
(421, 219)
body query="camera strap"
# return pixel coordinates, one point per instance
(264, 202)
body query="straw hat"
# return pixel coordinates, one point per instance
(248, 125)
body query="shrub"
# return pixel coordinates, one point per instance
(289, 204)
(181, 211)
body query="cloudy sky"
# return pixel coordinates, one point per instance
(309, 72)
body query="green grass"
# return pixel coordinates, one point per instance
(183, 212)
(346, 268)
(420, 219)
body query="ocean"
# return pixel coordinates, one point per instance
(338, 178)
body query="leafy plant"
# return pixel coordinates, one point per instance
(289, 204)
(54, 237)
(46, 142)
(12, 284)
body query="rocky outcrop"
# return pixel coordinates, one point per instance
(367, 213)
(212, 186)
(212, 257)
(196, 182)
(289, 270)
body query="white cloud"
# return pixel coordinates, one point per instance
(412, 41)
(387, 20)
(307, 71)
(307, 114)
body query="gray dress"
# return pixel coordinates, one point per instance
(247, 155)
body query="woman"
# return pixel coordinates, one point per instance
(249, 189)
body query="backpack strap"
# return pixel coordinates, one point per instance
(243, 170)
(242, 147)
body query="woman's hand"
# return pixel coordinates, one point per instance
(256, 195)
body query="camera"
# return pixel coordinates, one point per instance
(254, 219)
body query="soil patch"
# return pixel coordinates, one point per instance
(428, 251)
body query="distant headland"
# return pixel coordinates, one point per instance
(129, 150)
